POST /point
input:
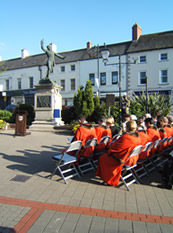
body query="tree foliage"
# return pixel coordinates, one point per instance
(151, 103)
(83, 101)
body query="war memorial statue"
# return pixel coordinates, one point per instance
(50, 58)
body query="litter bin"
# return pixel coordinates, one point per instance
(21, 122)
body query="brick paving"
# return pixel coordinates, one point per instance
(39, 204)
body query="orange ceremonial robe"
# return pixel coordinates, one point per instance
(153, 134)
(85, 133)
(109, 169)
(144, 140)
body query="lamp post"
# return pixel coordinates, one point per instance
(105, 54)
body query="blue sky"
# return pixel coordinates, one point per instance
(71, 23)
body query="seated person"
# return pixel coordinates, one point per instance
(111, 162)
(167, 127)
(101, 131)
(84, 133)
(153, 133)
(111, 124)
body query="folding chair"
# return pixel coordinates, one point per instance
(144, 164)
(128, 174)
(114, 138)
(65, 162)
(101, 148)
(86, 164)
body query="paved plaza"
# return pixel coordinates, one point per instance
(32, 202)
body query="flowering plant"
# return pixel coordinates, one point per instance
(2, 124)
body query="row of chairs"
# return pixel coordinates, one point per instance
(70, 165)
(155, 152)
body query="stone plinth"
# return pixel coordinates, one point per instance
(48, 105)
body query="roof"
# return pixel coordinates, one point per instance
(70, 56)
(144, 43)
(154, 41)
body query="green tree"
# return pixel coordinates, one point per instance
(88, 101)
(78, 100)
(83, 101)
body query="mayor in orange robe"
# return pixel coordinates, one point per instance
(110, 163)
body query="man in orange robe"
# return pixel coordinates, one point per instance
(153, 134)
(101, 131)
(144, 141)
(84, 133)
(110, 163)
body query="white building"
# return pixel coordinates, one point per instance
(155, 59)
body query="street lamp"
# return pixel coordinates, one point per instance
(105, 54)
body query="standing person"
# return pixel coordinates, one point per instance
(110, 163)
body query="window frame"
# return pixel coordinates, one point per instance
(103, 78)
(90, 78)
(142, 60)
(63, 86)
(117, 76)
(73, 86)
(140, 78)
(19, 83)
(62, 69)
(162, 58)
(162, 76)
(73, 67)
(31, 82)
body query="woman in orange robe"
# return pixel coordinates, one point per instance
(110, 163)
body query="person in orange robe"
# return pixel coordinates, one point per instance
(84, 133)
(167, 127)
(110, 163)
(101, 131)
(144, 140)
(153, 133)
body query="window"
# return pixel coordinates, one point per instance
(142, 59)
(115, 77)
(103, 78)
(62, 68)
(31, 82)
(142, 78)
(163, 56)
(63, 85)
(19, 83)
(72, 84)
(7, 84)
(92, 79)
(163, 76)
(72, 67)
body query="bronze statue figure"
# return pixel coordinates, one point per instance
(51, 58)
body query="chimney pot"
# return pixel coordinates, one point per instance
(24, 53)
(89, 45)
(136, 32)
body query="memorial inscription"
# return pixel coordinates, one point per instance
(44, 101)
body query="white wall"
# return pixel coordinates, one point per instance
(152, 67)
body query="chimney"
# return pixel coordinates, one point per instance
(24, 53)
(53, 46)
(136, 32)
(89, 45)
